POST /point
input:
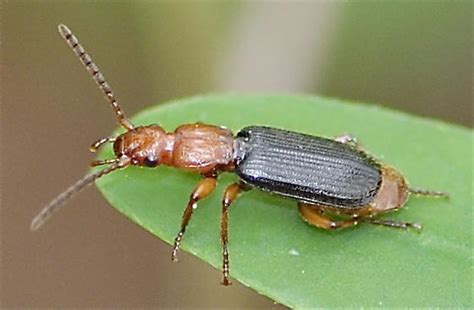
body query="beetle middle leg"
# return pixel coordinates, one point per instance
(314, 215)
(230, 195)
(204, 188)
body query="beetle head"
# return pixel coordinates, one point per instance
(147, 146)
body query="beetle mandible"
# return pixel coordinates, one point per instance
(326, 177)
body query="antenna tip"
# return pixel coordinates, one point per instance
(64, 30)
(35, 224)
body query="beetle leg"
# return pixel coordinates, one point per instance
(202, 190)
(347, 138)
(313, 214)
(231, 193)
(391, 223)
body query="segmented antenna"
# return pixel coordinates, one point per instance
(86, 60)
(60, 200)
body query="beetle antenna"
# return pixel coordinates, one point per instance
(424, 192)
(98, 77)
(101, 162)
(60, 200)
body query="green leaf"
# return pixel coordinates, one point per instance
(274, 252)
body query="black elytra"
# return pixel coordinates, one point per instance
(307, 168)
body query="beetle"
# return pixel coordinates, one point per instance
(328, 178)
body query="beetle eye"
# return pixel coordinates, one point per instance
(151, 161)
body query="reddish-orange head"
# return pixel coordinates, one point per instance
(147, 146)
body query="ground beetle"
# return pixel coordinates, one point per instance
(328, 178)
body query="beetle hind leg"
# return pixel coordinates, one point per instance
(314, 215)
(392, 224)
(424, 192)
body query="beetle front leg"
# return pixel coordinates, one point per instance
(204, 188)
(230, 195)
(313, 214)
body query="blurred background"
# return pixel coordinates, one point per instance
(409, 56)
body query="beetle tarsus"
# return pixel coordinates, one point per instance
(226, 281)
(394, 224)
(177, 243)
(424, 192)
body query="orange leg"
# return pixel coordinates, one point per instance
(230, 195)
(204, 188)
(313, 214)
